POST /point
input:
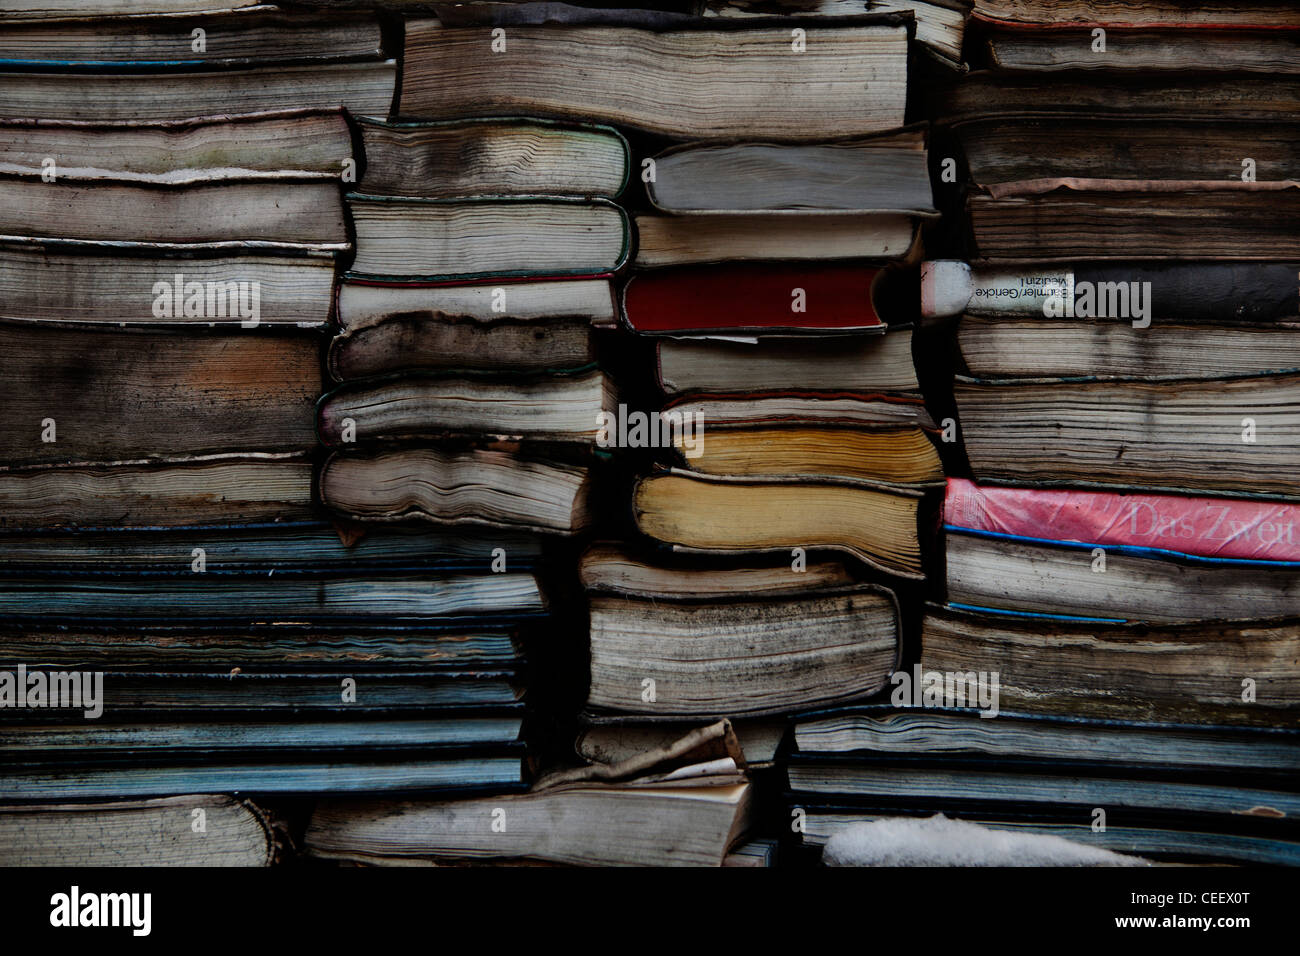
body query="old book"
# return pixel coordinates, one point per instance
(779, 408)
(1038, 575)
(476, 486)
(1216, 293)
(881, 453)
(1048, 220)
(1198, 96)
(364, 87)
(337, 775)
(215, 491)
(687, 240)
(976, 786)
(875, 523)
(862, 364)
(135, 694)
(138, 832)
(1268, 50)
(287, 548)
(435, 341)
(487, 237)
(753, 298)
(36, 9)
(303, 218)
(1232, 434)
(458, 159)
(1098, 348)
(882, 174)
(96, 285)
(225, 737)
(938, 734)
(1189, 673)
(740, 655)
(552, 407)
(706, 82)
(1174, 13)
(81, 395)
(609, 569)
(264, 600)
(256, 34)
(940, 24)
(301, 144)
(483, 638)
(1220, 528)
(1014, 149)
(363, 302)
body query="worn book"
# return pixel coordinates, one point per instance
(705, 80)
(862, 364)
(556, 407)
(157, 832)
(876, 523)
(484, 236)
(473, 486)
(108, 395)
(1188, 673)
(1236, 435)
(364, 301)
(457, 159)
(800, 645)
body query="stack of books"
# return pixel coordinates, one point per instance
(180, 621)
(1117, 646)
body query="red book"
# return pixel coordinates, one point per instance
(1228, 528)
(753, 298)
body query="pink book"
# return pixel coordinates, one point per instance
(1227, 528)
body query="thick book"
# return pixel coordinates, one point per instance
(364, 88)
(1013, 149)
(863, 364)
(458, 159)
(410, 598)
(104, 395)
(1115, 583)
(410, 774)
(1052, 219)
(963, 735)
(751, 298)
(798, 647)
(486, 236)
(157, 832)
(707, 81)
(299, 218)
(366, 301)
(773, 408)
(299, 144)
(1237, 435)
(883, 174)
(252, 35)
(895, 454)
(1225, 528)
(263, 488)
(1189, 673)
(566, 407)
(876, 523)
(421, 341)
(726, 237)
(95, 284)
(474, 486)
